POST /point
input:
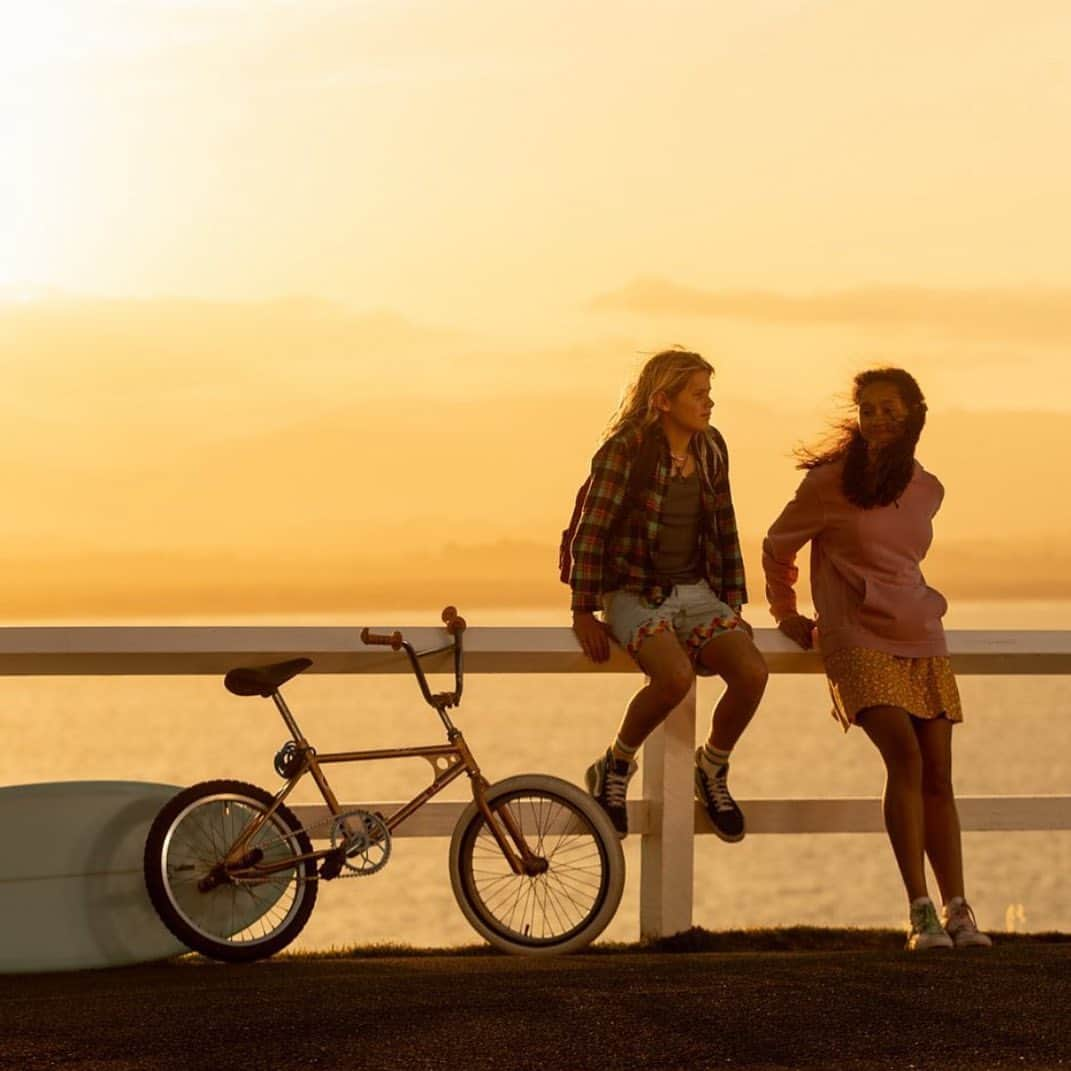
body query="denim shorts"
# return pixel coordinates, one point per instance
(694, 613)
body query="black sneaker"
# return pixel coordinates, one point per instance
(607, 780)
(712, 791)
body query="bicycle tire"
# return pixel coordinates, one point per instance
(237, 922)
(560, 911)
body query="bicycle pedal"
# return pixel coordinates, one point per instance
(332, 865)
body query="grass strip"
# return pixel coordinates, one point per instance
(695, 940)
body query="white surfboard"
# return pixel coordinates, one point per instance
(72, 892)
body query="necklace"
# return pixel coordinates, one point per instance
(679, 461)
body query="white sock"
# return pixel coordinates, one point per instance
(622, 752)
(713, 757)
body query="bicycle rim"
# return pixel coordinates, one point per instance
(240, 914)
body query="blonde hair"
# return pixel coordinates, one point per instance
(667, 372)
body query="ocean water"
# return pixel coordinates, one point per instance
(1016, 739)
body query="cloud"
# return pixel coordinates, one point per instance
(1039, 315)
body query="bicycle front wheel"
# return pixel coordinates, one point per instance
(571, 902)
(234, 913)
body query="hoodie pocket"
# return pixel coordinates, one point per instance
(901, 611)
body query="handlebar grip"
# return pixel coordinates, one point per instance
(377, 639)
(454, 623)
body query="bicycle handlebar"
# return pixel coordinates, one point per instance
(455, 626)
(378, 639)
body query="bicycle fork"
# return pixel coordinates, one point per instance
(521, 858)
(527, 862)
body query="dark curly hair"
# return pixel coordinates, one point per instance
(884, 482)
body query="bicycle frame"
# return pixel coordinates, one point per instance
(458, 760)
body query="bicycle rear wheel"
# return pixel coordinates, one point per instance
(560, 910)
(236, 915)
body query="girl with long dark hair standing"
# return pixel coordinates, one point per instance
(866, 506)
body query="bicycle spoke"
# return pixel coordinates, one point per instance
(567, 895)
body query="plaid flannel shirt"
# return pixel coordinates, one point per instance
(612, 556)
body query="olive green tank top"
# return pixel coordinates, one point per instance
(676, 558)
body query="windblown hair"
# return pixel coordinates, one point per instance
(668, 372)
(884, 482)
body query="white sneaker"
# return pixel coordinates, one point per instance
(926, 929)
(961, 926)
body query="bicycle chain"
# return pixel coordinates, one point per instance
(329, 821)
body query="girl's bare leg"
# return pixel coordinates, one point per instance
(892, 732)
(670, 676)
(943, 842)
(734, 657)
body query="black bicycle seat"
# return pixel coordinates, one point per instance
(265, 679)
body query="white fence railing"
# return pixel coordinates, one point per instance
(666, 818)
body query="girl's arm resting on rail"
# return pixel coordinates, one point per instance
(800, 521)
(592, 635)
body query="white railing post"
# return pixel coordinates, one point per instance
(667, 848)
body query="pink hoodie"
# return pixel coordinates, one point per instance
(866, 583)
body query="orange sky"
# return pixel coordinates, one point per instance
(268, 247)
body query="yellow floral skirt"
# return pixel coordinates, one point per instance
(860, 678)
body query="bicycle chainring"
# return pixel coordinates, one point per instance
(367, 841)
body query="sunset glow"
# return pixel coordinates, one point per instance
(306, 249)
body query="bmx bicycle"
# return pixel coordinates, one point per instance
(535, 864)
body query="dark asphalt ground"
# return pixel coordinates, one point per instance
(870, 1008)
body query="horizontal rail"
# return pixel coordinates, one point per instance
(132, 650)
(855, 814)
